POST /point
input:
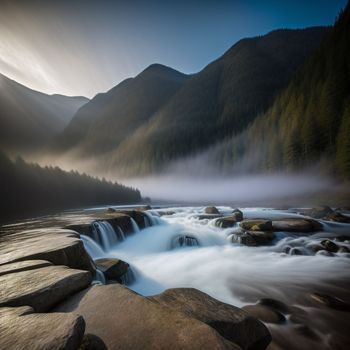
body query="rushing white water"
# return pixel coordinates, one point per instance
(134, 225)
(227, 271)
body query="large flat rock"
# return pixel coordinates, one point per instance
(231, 322)
(41, 288)
(58, 246)
(128, 321)
(20, 328)
(22, 266)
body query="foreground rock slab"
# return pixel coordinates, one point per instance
(22, 266)
(20, 328)
(231, 322)
(113, 269)
(58, 246)
(41, 288)
(125, 320)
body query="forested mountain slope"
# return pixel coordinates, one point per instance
(309, 121)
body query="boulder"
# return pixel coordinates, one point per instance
(330, 246)
(92, 342)
(275, 304)
(226, 221)
(253, 238)
(184, 241)
(41, 288)
(332, 302)
(58, 246)
(22, 266)
(211, 210)
(264, 313)
(337, 217)
(113, 269)
(318, 212)
(125, 320)
(238, 214)
(20, 328)
(256, 225)
(231, 322)
(296, 225)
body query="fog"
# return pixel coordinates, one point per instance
(219, 189)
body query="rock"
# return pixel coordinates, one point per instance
(243, 238)
(184, 241)
(274, 304)
(138, 215)
(20, 328)
(41, 288)
(231, 322)
(329, 246)
(296, 251)
(324, 253)
(306, 331)
(256, 225)
(343, 249)
(298, 315)
(337, 217)
(58, 246)
(253, 238)
(342, 238)
(165, 212)
(296, 225)
(22, 266)
(264, 313)
(92, 342)
(332, 302)
(261, 237)
(125, 320)
(113, 269)
(226, 221)
(318, 212)
(211, 210)
(237, 214)
(111, 210)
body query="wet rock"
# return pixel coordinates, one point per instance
(113, 269)
(111, 210)
(261, 237)
(231, 322)
(226, 221)
(318, 212)
(211, 210)
(287, 249)
(264, 313)
(332, 302)
(165, 212)
(296, 251)
(20, 328)
(337, 217)
(41, 288)
(22, 266)
(238, 215)
(274, 304)
(184, 241)
(306, 331)
(296, 225)
(256, 225)
(124, 319)
(298, 315)
(324, 253)
(244, 238)
(92, 342)
(58, 246)
(343, 249)
(329, 246)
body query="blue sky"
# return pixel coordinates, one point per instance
(81, 47)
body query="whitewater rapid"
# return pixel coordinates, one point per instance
(229, 272)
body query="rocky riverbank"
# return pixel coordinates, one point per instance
(48, 301)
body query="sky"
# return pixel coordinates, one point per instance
(83, 47)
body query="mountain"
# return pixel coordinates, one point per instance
(309, 122)
(133, 132)
(28, 118)
(30, 189)
(111, 117)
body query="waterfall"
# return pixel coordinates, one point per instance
(151, 219)
(134, 225)
(107, 235)
(184, 241)
(120, 234)
(100, 277)
(93, 249)
(128, 278)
